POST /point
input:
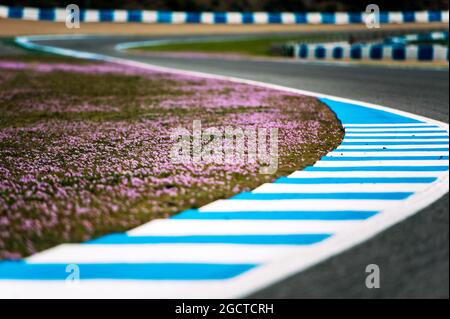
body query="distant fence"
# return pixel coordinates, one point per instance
(145, 16)
(393, 48)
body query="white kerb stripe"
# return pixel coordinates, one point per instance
(445, 17)
(311, 174)
(421, 16)
(3, 11)
(60, 15)
(314, 17)
(119, 289)
(260, 18)
(234, 18)
(384, 154)
(30, 13)
(440, 53)
(287, 18)
(120, 15)
(417, 163)
(400, 130)
(178, 17)
(389, 147)
(395, 17)
(342, 18)
(91, 16)
(339, 188)
(180, 227)
(393, 134)
(149, 16)
(387, 125)
(207, 17)
(381, 141)
(244, 205)
(201, 253)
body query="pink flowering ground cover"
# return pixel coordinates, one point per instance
(85, 147)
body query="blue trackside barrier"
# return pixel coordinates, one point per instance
(171, 17)
(392, 48)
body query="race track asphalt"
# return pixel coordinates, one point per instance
(413, 256)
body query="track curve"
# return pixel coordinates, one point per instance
(414, 253)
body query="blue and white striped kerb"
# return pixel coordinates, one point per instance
(145, 16)
(386, 163)
(426, 37)
(396, 49)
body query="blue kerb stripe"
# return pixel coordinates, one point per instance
(346, 196)
(287, 239)
(396, 137)
(300, 18)
(349, 113)
(394, 143)
(19, 270)
(376, 52)
(276, 215)
(328, 17)
(220, 17)
(352, 180)
(425, 52)
(134, 15)
(355, 17)
(379, 169)
(15, 12)
(409, 16)
(247, 17)
(303, 51)
(434, 16)
(384, 17)
(356, 52)
(381, 158)
(320, 52)
(47, 14)
(424, 37)
(398, 52)
(338, 53)
(106, 15)
(193, 17)
(82, 15)
(274, 17)
(393, 150)
(164, 17)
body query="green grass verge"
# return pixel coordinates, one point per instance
(251, 46)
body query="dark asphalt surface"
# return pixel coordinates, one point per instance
(413, 256)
